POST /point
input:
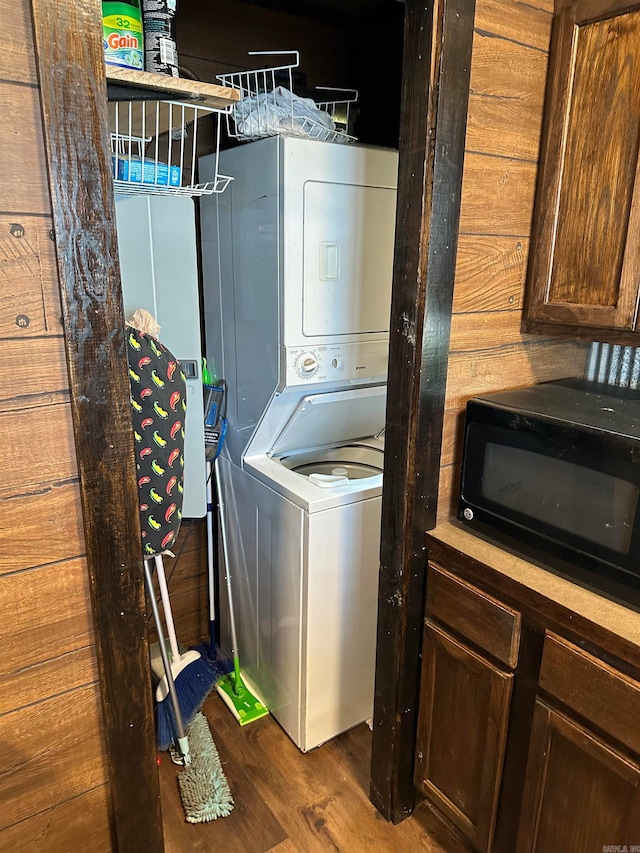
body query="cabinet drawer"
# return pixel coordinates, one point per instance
(593, 689)
(473, 614)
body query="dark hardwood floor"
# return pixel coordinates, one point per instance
(289, 802)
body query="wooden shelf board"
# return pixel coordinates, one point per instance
(172, 88)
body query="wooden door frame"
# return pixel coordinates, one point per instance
(70, 66)
(69, 58)
(433, 118)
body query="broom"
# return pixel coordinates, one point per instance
(193, 678)
(171, 722)
(204, 789)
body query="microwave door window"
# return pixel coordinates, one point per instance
(520, 482)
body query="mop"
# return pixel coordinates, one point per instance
(231, 687)
(240, 700)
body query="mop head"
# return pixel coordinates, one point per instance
(193, 685)
(204, 789)
(244, 706)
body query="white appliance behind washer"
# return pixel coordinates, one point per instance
(297, 266)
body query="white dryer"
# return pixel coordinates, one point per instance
(297, 264)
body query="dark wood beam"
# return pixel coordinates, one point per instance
(69, 56)
(435, 90)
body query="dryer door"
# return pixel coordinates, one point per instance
(348, 259)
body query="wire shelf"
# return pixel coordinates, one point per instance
(154, 148)
(269, 106)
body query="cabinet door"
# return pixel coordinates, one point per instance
(462, 727)
(580, 794)
(584, 263)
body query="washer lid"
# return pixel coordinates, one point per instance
(321, 420)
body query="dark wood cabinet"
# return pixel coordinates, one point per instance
(581, 794)
(582, 789)
(462, 733)
(528, 737)
(466, 685)
(584, 260)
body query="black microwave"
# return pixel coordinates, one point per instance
(552, 472)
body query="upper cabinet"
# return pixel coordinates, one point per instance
(584, 264)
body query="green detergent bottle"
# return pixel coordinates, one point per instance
(122, 34)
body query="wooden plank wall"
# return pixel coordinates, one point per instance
(487, 350)
(188, 584)
(211, 43)
(53, 785)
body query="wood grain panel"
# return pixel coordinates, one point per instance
(485, 330)
(593, 689)
(505, 127)
(70, 63)
(188, 584)
(497, 196)
(50, 752)
(16, 58)
(191, 616)
(598, 171)
(588, 197)
(29, 293)
(511, 367)
(51, 604)
(317, 800)
(462, 733)
(490, 273)
(527, 23)
(41, 525)
(506, 69)
(580, 794)
(482, 620)
(192, 535)
(437, 52)
(81, 825)
(187, 571)
(42, 450)
(448, 493)
(38, 378)
(48, 678)
(23, 173)
(452, 436)
(203, 32)
(49, 269)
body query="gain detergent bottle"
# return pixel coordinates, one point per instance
(122, 34)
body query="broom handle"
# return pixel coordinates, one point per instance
(183, 741)
(210, 563)
(227, 574)
(166, 606)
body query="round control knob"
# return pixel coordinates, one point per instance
(336, 362)
(307, 364)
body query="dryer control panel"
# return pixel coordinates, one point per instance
(337, 363)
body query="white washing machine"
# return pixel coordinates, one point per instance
(297, 266)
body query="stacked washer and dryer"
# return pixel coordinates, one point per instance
(297, 261)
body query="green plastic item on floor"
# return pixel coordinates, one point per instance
(240, 700)
(244, 706)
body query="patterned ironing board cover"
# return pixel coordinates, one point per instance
(158, 400)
